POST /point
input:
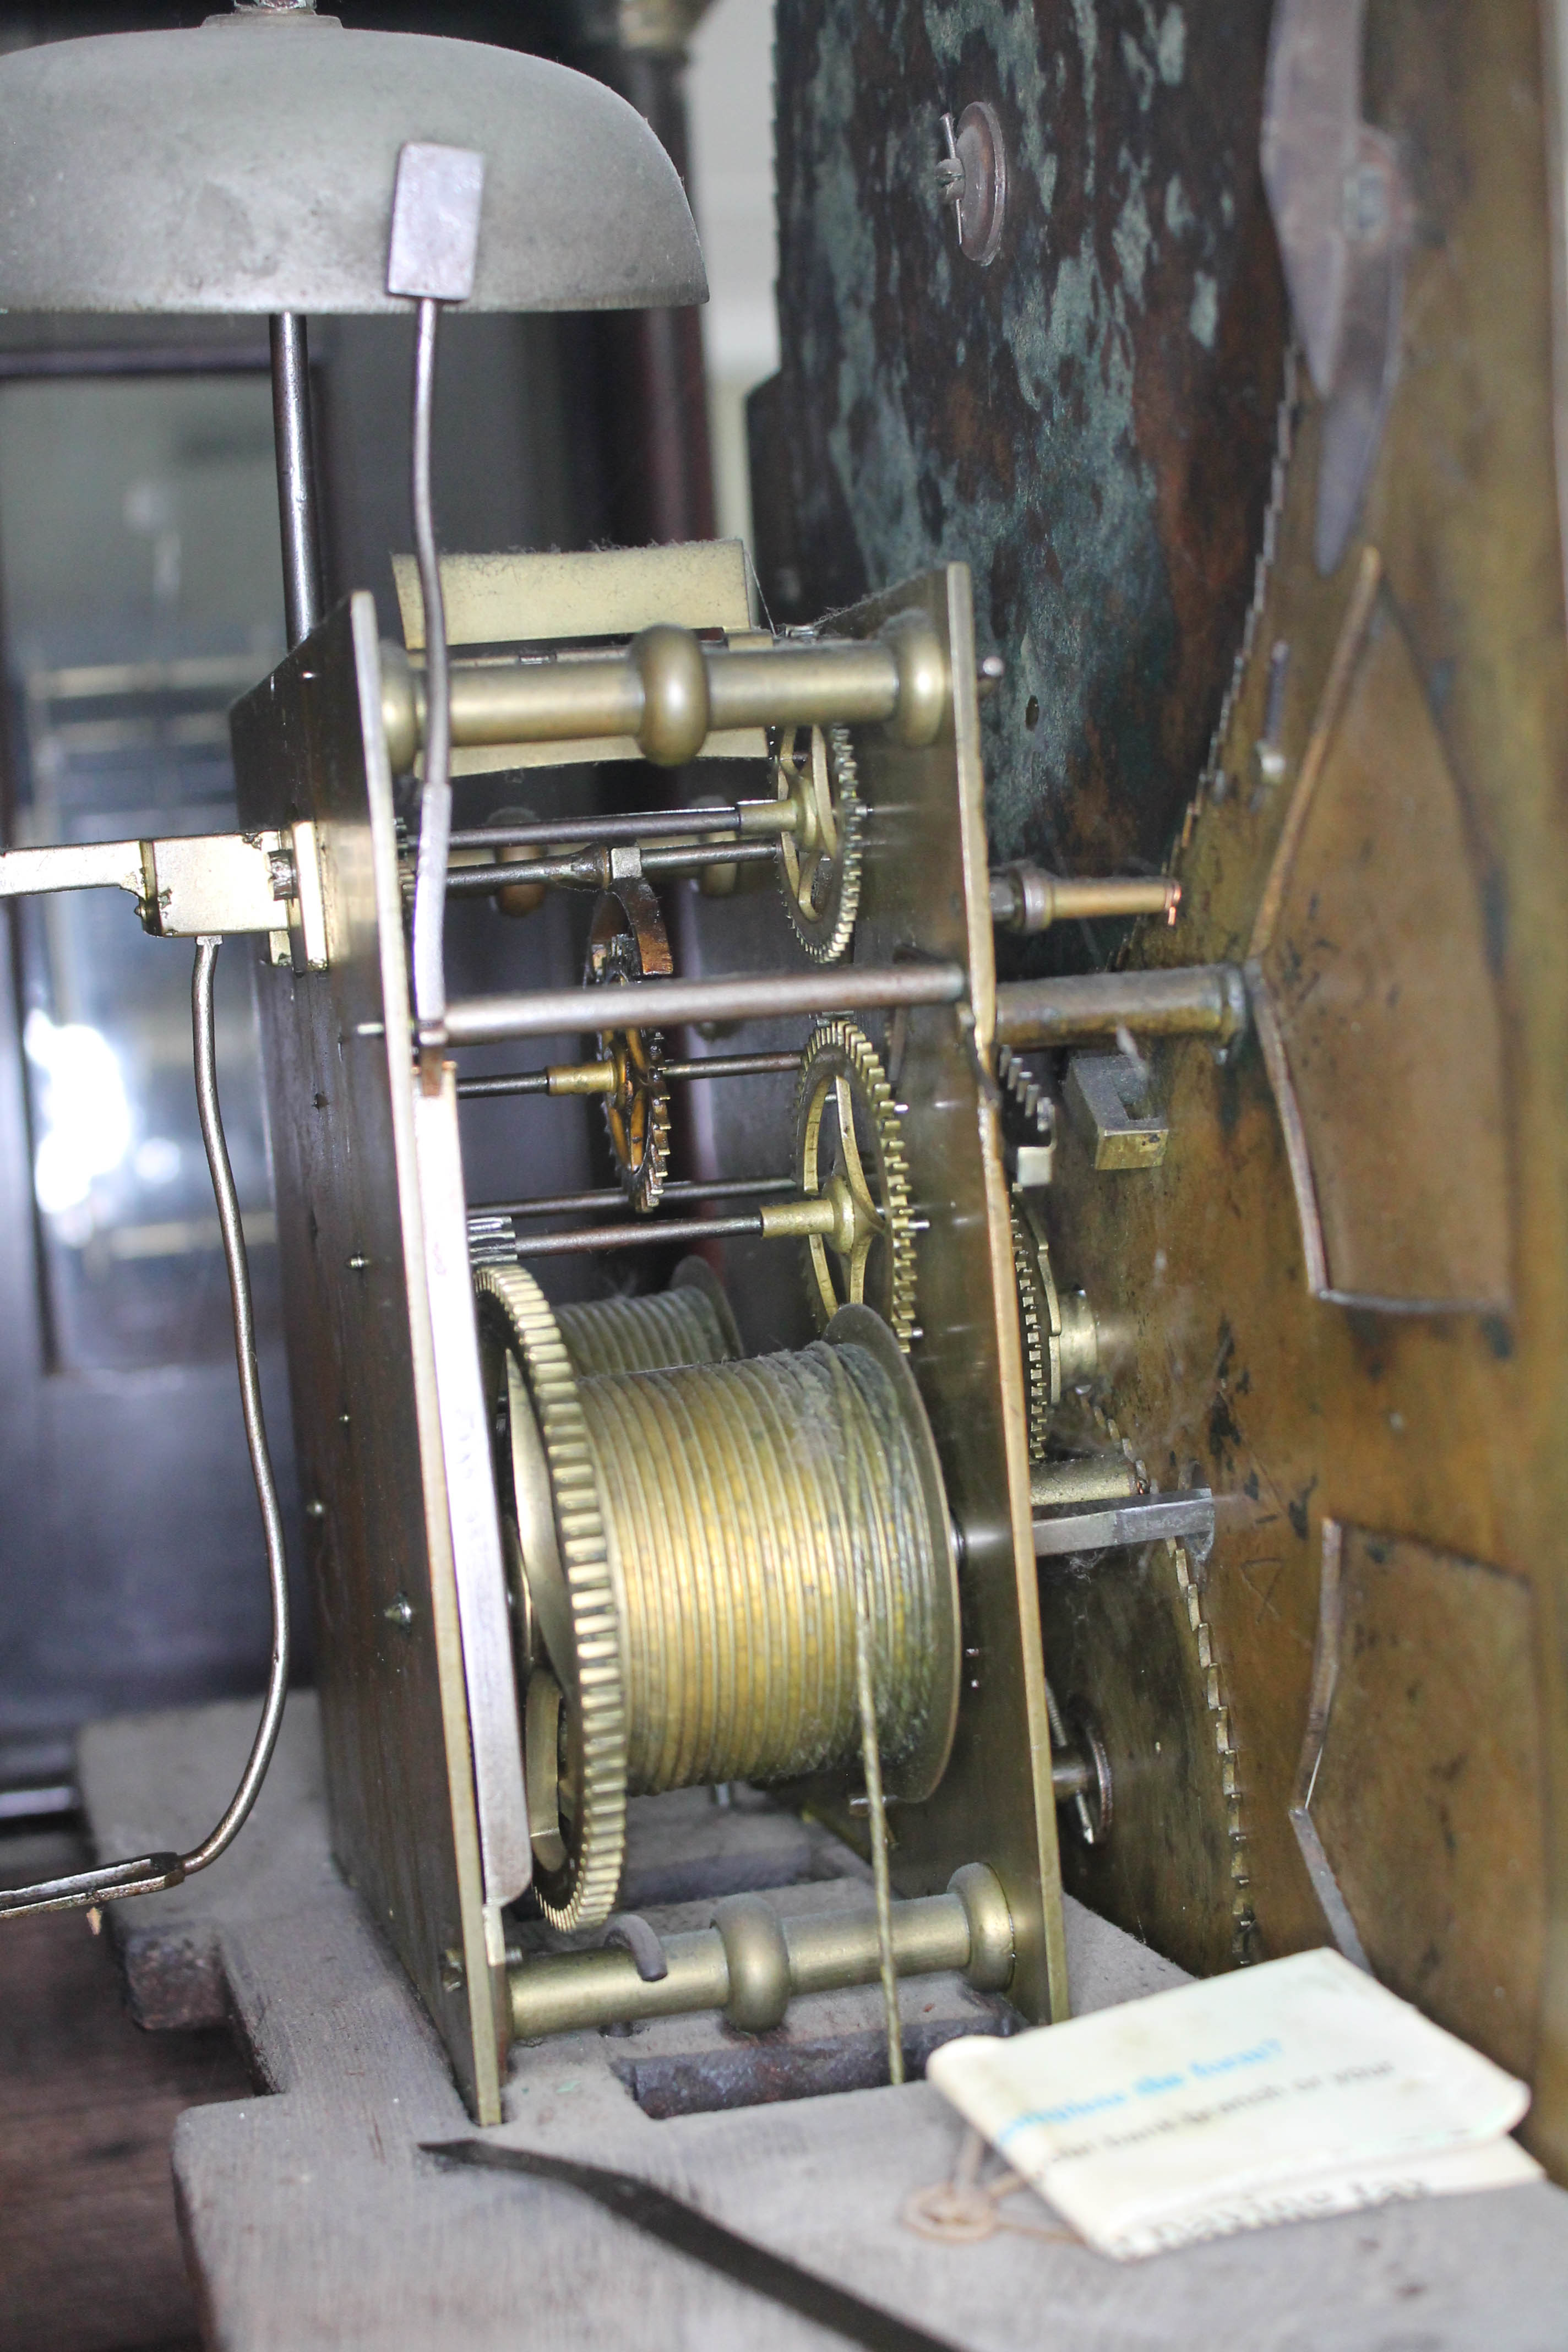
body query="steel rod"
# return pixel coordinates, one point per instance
(590, 870)
(645, 824)
(732, 1065)
(1028, 898)
(648, 1232)
(667, 1004)
(573, 1204)
(521, 1082)
(1193, 1000)
(297, 511)
(714, 1066)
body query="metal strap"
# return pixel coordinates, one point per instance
(690, 2232)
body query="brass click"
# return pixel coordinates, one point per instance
(1095, 1478)
(823, 1215)
(738, 1499)
(582, 1077)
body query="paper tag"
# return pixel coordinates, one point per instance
(1296, 2088)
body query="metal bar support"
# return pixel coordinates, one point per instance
(666, 1004)
(669, 690)
(1204, 1000)
(1123, 1526)
(591, 869)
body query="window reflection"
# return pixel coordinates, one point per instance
(143, 594)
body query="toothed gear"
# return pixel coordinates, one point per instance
(580, 1892)
(629, 943)
(820, 861)
(1035, 1334)
(841, 1063)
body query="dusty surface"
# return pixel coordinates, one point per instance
(315, 2221)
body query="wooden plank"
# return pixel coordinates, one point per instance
(315, 2222)
(89, 2248)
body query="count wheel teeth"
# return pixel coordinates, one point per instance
(1033, 1334)
(582, 1892)
(841, 1062)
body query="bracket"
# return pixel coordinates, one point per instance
(1109, 1098)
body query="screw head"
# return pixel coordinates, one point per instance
(980, 201)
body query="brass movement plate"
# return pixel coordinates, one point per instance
(340, 1098)
(926, 896)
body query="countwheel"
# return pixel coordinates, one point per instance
(849, 1151)
(820, 855)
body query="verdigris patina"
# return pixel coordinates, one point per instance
(1088, 420)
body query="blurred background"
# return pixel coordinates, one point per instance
(141, 594)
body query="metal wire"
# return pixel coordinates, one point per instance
(871, 1765)
(429, 958)
(149, 1872)
(204, 1032)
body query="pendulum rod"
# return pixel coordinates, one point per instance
(298, 510)
(429, 955)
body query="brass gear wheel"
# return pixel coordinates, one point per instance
(870, 1255)
(627, 942)
(1035, 1334)
(820, 859)
(575, 1717)
(1061, 1340)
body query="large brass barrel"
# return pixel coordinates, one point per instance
(689, 1323)
(696, 1551)
(741, 1502)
